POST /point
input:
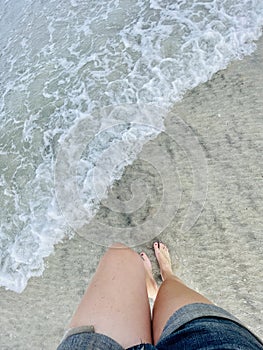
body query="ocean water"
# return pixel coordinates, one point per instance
(111, 69)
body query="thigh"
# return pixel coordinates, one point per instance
(116, 301)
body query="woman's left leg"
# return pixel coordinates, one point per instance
(116, 301)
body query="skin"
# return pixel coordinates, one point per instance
(172, 294)
(116, 301)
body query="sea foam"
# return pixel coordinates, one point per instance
(63, 61)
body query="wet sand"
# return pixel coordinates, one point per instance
(221, 256)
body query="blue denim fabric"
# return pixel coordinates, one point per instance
(89, 341)
(210, 333)
(193, 327)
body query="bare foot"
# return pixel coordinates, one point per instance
(163, 258)
(152, 287)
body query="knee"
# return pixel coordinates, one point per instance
(119, 245)
(121, 250)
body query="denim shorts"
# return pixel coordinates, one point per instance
(194, 326)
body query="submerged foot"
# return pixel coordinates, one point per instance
(163, 258)
(152, 287)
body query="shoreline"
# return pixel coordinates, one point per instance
(226, 115)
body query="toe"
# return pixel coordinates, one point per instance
(146, 260)
(163, 247)
(156, 245)
(142, 255)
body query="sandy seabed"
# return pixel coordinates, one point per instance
(221, 256)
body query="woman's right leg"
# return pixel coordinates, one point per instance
(172, 295)
(116, 301)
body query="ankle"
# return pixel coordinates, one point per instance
(167, 274)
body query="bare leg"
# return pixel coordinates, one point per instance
(152, 287)
(172, 294)
(116, 301)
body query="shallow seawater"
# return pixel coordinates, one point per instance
(108, 62)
